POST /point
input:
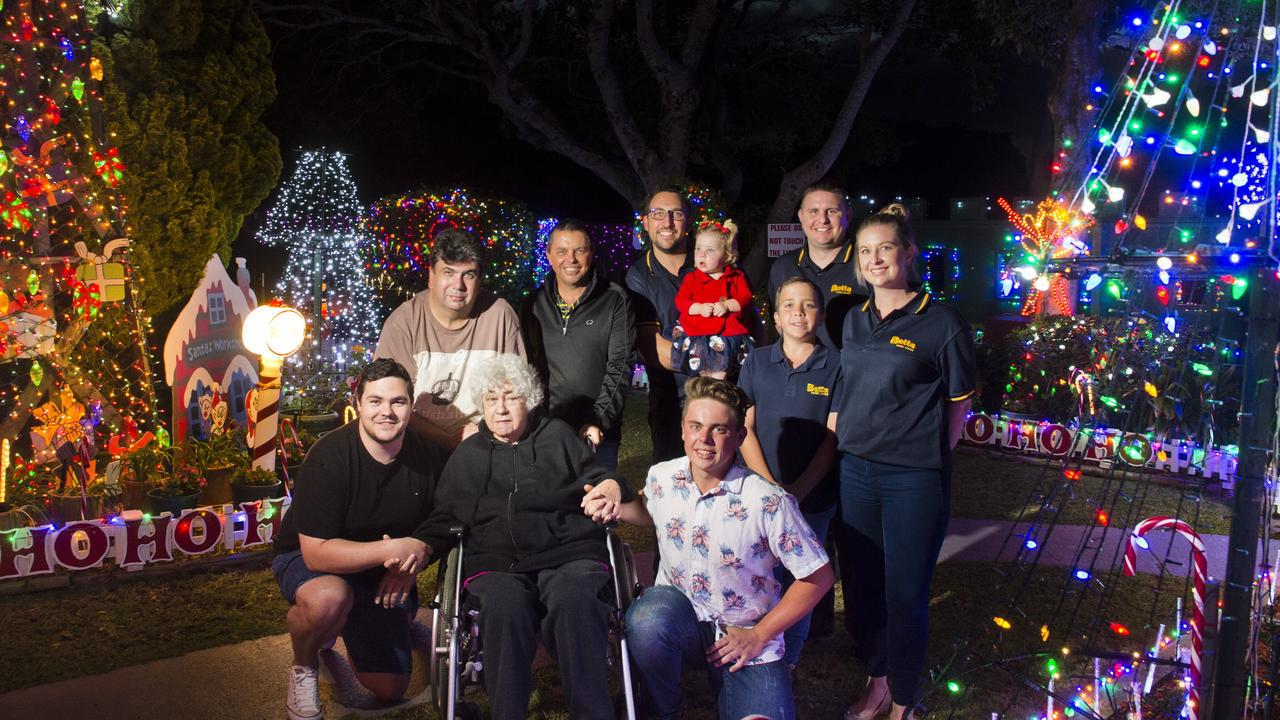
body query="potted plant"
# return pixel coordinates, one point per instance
(178, 491)
(142, 470)
(254, 483)
(67, 505)
(22, 506)
(218, 458)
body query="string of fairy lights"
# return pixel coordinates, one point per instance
(69, 323)
(1163, 274)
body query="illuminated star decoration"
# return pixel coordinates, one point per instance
(1051, 232)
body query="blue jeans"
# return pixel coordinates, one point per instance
(895, 519)
(664, 635)
(795, 635)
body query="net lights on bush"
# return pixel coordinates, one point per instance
(403, 229)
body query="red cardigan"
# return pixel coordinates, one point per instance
(699, 287)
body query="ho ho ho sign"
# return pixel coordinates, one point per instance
(1101, 445)
(132, 541)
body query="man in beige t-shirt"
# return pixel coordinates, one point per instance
(443, 332)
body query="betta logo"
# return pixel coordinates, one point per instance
(903, 343)
(842, 289)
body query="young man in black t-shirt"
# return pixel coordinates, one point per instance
(347, 557)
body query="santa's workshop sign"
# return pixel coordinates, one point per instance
(133, 540)
(1101, 445)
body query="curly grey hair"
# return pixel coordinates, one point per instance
(492, 373)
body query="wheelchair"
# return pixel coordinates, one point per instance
(457, 660)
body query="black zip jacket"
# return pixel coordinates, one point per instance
(520, 502)
(585, 359)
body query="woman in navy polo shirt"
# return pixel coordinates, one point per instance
(907, 372)
(790, 384)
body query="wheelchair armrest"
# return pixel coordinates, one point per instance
(458, 531)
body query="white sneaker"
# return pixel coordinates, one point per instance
(303, 702)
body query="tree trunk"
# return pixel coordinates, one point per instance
(1070, 93)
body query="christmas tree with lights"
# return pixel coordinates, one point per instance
(74, 368)
(1135, 276)
(317, 219)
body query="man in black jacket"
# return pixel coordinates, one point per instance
(579, 331)
(533, 559)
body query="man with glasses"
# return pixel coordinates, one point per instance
(653, 281)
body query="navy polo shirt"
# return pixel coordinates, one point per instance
(653, 292)
(791, 414)
(898, 374)
(840, 288)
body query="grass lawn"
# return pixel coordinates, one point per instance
(94, 628)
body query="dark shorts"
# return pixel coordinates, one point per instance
(377, 638)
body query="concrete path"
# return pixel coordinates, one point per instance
(246, 681)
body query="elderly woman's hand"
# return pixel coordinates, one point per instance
(603, 502)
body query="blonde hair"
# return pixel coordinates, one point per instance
(727, 231)
(896, 217)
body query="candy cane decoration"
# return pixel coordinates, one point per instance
(1200, 568)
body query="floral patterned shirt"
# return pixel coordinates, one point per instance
(720, 548)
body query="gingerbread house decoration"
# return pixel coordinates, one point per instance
(203, 353)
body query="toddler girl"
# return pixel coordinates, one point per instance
(712, 337)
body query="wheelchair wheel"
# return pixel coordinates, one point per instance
(442, 632)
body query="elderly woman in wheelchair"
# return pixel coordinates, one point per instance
(534, 562)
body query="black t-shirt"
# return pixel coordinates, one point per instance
(343, 492)
(897, 376)
(841, 291)
(792, 404)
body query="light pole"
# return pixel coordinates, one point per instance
(273, 332)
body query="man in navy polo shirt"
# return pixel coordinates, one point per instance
(826, 259)
(653, 281)
(791, 384)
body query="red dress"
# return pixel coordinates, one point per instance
(699, 287)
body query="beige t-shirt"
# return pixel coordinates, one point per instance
(439, 359)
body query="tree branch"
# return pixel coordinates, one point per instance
(704, 16)
(517, 56)
(621, 120)
(815, 167)
(660, 63)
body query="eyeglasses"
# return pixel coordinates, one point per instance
(662, 213)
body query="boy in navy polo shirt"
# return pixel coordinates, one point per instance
(790, 385)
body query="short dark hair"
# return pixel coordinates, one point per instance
(571, 225)
(379, 369)
(797, 280)
(825, 186)
(668, 188)
(454, 246)
(702, 387)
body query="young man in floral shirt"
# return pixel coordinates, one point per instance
(721, 531)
